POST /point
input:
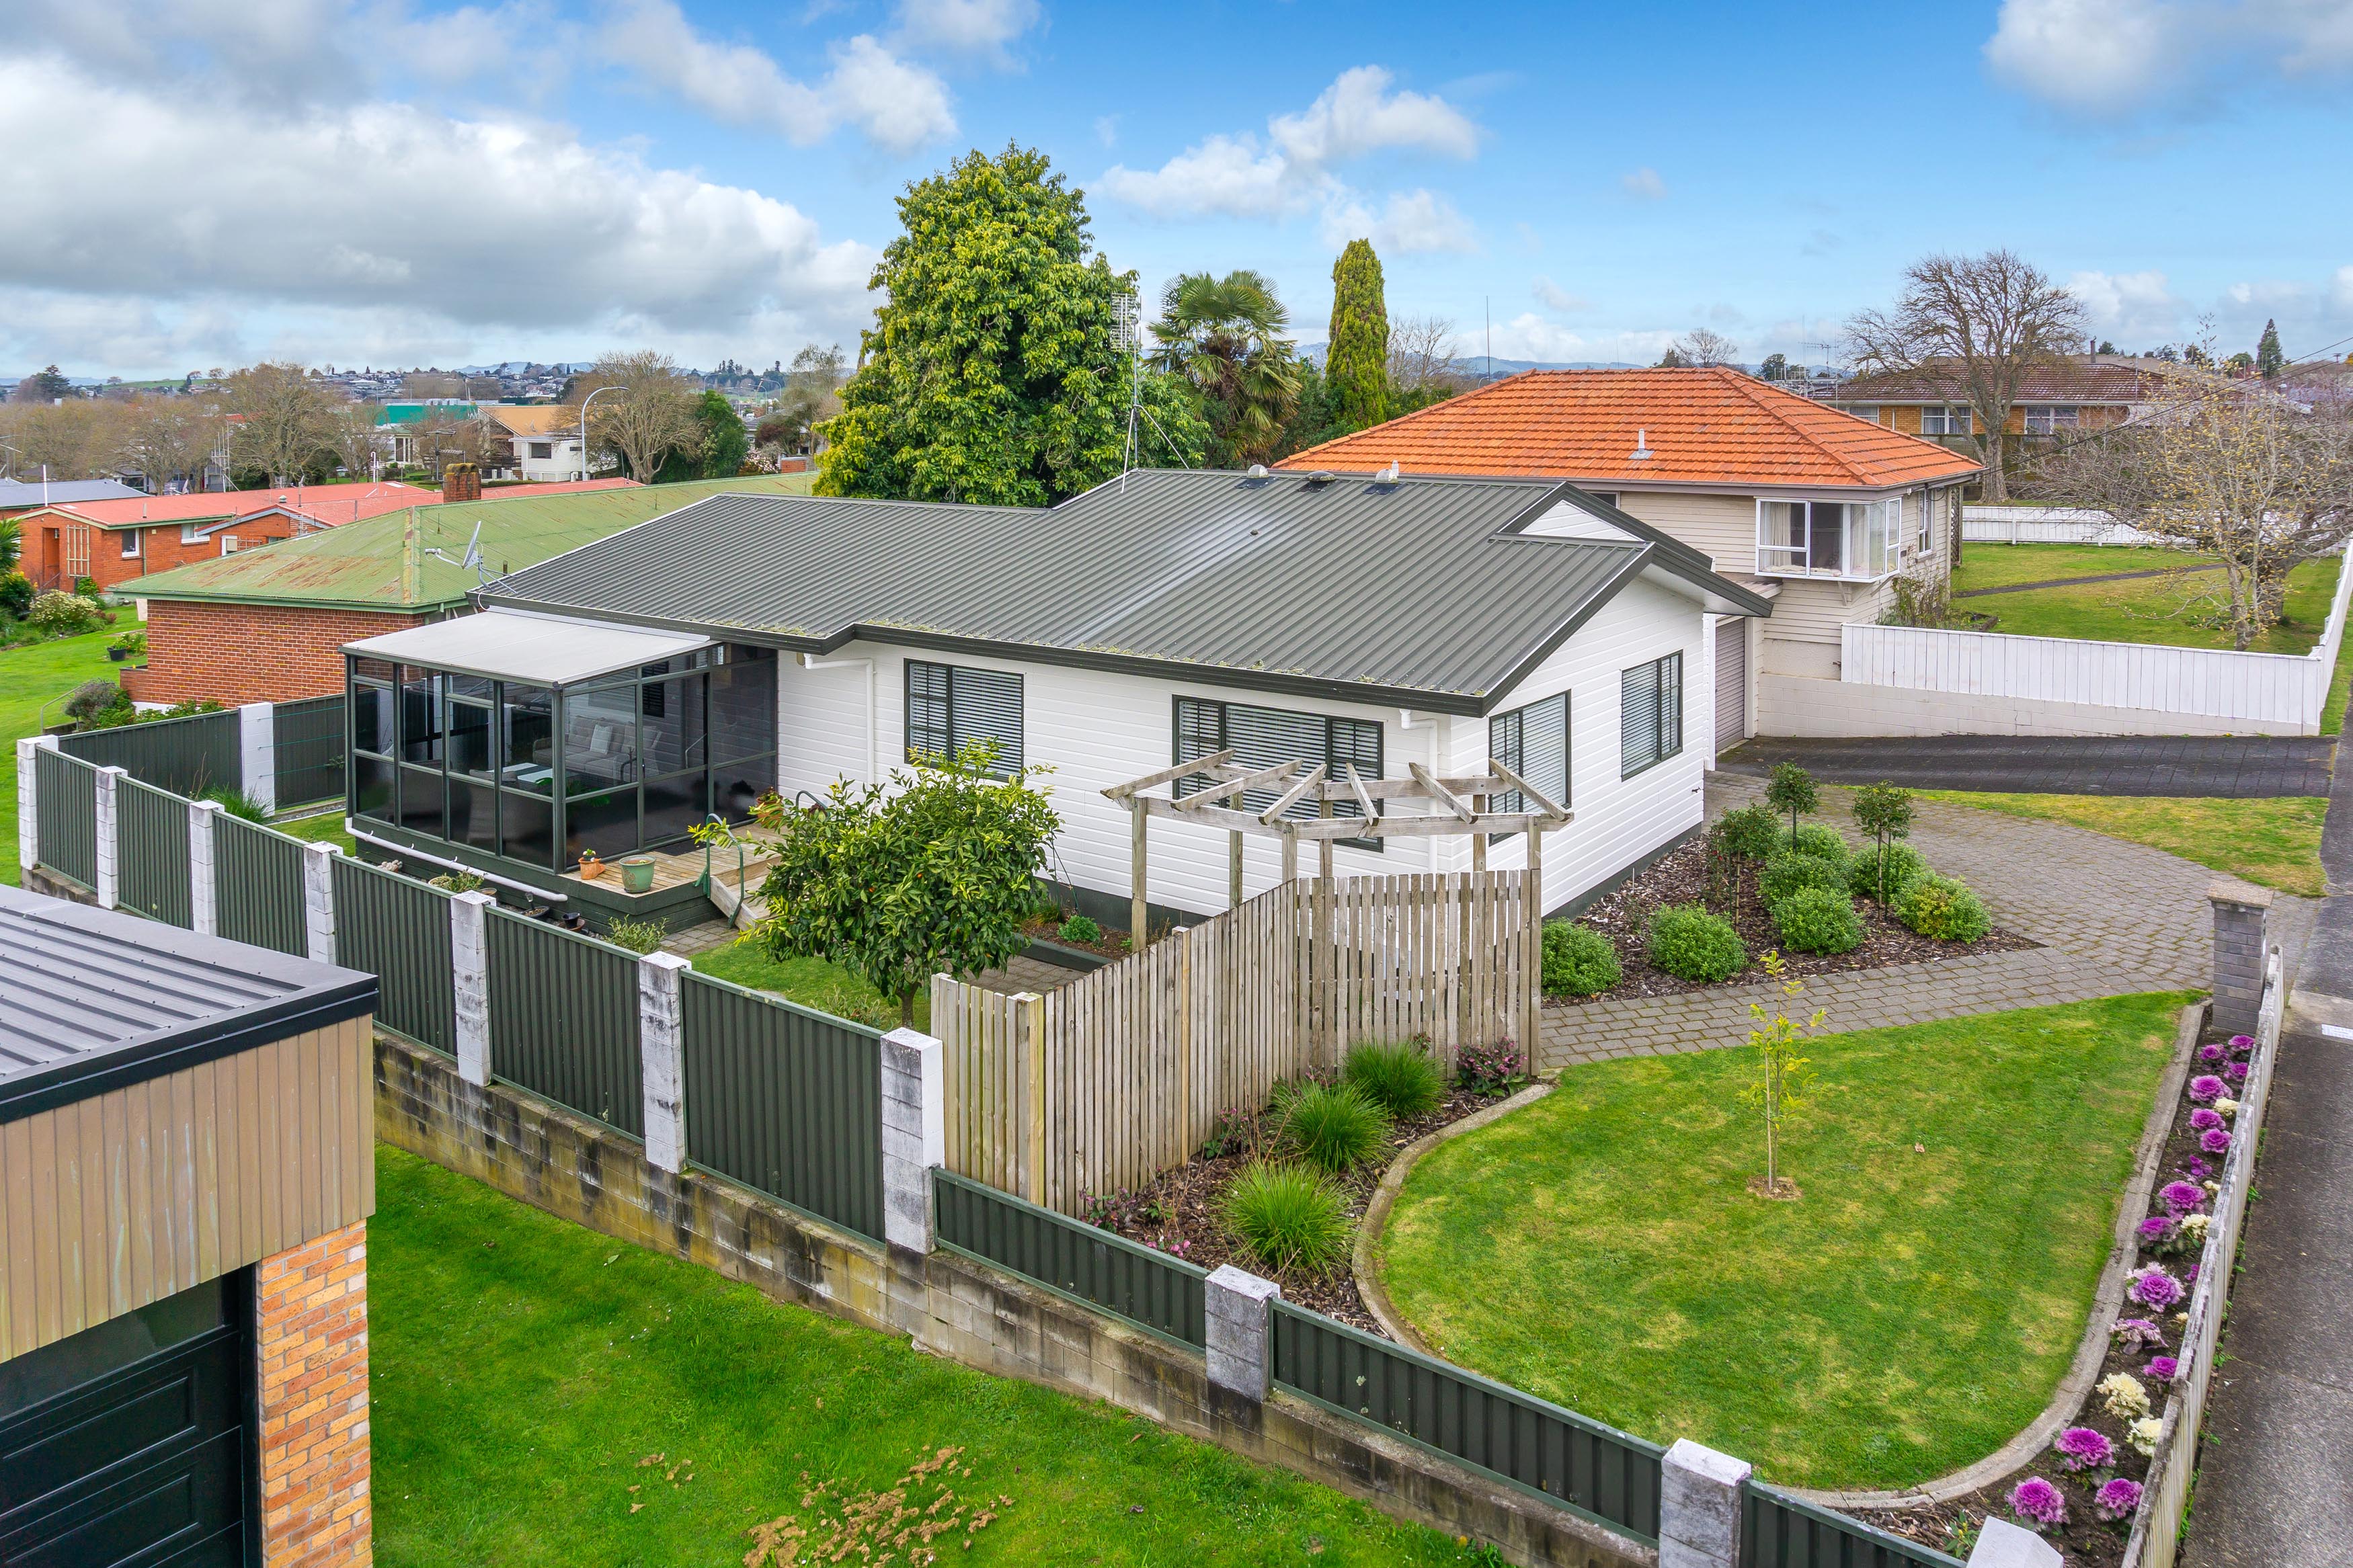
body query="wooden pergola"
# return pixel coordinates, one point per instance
(1436, 807)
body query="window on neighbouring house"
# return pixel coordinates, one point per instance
(1952, 420)
(1650, 714)
(951, 706)
(1858, 541)
(1266, 737)
(131, 544)
(1533, 741)
(1865, 411)
(2050, 419)
(541, 450)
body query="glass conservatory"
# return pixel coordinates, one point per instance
(538, 740)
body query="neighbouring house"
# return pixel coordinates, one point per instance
(267, 625)
(612, 698)
(24, 495)
(536, 442)
(187, 1165)
(1802, 504)
(2058, 399)
(112, 541)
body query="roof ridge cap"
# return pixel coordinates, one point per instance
(1456, 400)
(1752, 390)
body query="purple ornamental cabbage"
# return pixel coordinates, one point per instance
(2140, 1332)
(2154, 1287)
(2210, 1053)
(2116, 1499)
(2214, 1141)
(2181, 1197)
(2195, 1168)
(2038, 1503)
(2205, 1116)
(2155, 1229)
(2242, 1044)
(2237, 1073)
(2084, 1449)
(2163, 1368)
(2205, 1087)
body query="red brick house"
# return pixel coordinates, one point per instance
(112, 541)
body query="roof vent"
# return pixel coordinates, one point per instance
(1321, 477)
(1641, 446)
(1388, 476)
(1258, 471)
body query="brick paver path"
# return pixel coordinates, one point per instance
(2114, 917)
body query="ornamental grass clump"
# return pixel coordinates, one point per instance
(1792, 871)
(1288, 1216)
(1894, 868)
(1334, 1127)
(1578, 960)
(1942, 908)
(1818, 919)
(1689, 943)
(2084, 1449)
(1398, 1076)
(2037, 1504)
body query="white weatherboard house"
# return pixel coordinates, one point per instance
(610, 697)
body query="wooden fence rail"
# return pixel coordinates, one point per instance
(1119, 1075)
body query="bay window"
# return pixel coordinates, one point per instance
(1853, 541)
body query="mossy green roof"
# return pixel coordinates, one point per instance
(386, 563)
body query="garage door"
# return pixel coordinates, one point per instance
(127, 1446)
(1731, 682)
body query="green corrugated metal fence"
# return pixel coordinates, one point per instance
(308, 739)
(66, 804)
(564, 1019)
(1148, 1288)
(1598, 1470)
(399, 931)
(258, 887)
(1779, 1531)
(187, 756)
(786, 1100)
(151, 855)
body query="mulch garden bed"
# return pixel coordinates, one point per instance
(1682, 877)
(2172, 1242)
(1178, 1212)
(1049, 928)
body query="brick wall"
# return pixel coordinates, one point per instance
(313, 1348)
(250, 653)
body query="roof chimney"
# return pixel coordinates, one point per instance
(1641, 446)
(459, 483)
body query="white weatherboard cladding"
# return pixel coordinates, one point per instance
(1096, 728)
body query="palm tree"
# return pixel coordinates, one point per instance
(1224, 335)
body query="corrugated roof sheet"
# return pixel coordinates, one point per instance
(16, 493)
(326, 505)
(384, 563)
(1421, 589)
(1710, 426)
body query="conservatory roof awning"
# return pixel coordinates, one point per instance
(540, 650)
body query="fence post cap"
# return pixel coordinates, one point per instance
(472, 896)
(909, 1039)
(1702, 1460)
(1242, 1282)
(212, 806)
(657, 959)
(2001, 1544)
(114, 771)
(320, 851)
(2230, 891)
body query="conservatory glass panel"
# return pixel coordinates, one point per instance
(600, 738)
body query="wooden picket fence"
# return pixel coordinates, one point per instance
(1109, 1081)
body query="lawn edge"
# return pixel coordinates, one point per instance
(2019, 814)
(1362, 1261)
(2107, 1301)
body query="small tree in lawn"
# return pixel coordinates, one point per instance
(1781, 1075)
(1884, 811)
(1791, 789)
(938, 876)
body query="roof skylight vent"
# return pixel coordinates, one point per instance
(1320, 476)
(1388, 476)
(1641, 446)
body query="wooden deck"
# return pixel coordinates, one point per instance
(676, 870)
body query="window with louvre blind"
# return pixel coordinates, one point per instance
(1650, 714)
(1264, 737)
(1533, 741)
(950, 706)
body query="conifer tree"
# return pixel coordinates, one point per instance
(1357, 360)
(2269, 360)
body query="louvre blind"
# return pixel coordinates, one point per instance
(927, 712)
(1651, 721)
(1533, 741)
(949, 707)
(1265, 737)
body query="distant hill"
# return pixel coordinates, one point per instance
(1486, 368)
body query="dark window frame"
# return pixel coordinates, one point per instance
(947, 729)
(1667, 710)
(1515, 719)
(1333, 753)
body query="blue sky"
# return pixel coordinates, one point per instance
(398, 180)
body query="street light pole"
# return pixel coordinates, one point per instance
(584, 425)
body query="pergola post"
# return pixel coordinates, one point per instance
(1139, 932)
(1478, 839)
(1534, 948)
(1234, 869)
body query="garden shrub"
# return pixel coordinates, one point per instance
(1788, 872)
(637, 936)
(1905, 866)
(16, 593)
(1336, 1127)
(1398, 1076)
(1943, 908)
(1818, 919)
(1752, 832)
(93, 697)
(133, 644)
(63, 614)
(1488, 1068)
(1081, 930)
(1689, 943)
(238, 804)
(1578, 960)
(1813, 839)
(1288, 1216)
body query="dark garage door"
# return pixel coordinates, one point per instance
(129, 1445)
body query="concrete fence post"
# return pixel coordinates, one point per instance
(1239, 1324)
(29, 801)
(257, 753)
(661, 1042)
(1700, 1506)
(108, 811)
(2001, 1544)
(204, 877)
(915, 1136)
(470, 976)
(2240, 911)
(318, 902)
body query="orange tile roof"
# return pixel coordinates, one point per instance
(533, 418)
(323, 505)
(1713, 426)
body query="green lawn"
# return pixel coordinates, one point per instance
(1906, 1316)
(326, 827)
(2273, 842)
(525, 1370)
(811, 981)
(31, 677)
(2146, 610)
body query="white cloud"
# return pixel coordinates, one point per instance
(982, 27)
(2117, 56)
(1224, 175)
(1531, 337)
(1410, 222)
(1553, 297)
(1644, 186)
(1107, 129)
(2137, 308)
(2343, 290)
(1357, 114)
(899, 105)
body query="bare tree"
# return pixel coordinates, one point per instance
(1421, 354)
(442, 438)
(168, 438)
(279, 424)
(1702, 347)
(654, 417)
(355, 439)
(1972, 327)
(2223, 467)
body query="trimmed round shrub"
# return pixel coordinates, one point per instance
(1398, 1076)
(1813, 839)
(1943, 908)
(63, 614)
(1578, 960)
(1790, 872)
(1751, 832)
(93, 697)
(1080, 929)
(1288, 1216)
(1689, 943)
(1905, 866)
(1333, 1126)
(1815, 919)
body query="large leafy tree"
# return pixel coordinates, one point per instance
(1355, 361)
(719, 446)
(1226, 337)
(937, 876)
(992, 373)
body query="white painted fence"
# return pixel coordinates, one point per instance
(2046, 525)
(2272, 689)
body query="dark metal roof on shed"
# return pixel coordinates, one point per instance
(1423, 589)
(93, 1000)
(16, 494)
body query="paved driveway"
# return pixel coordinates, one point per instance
(2237, 766)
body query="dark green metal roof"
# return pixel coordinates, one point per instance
(1422, 590)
